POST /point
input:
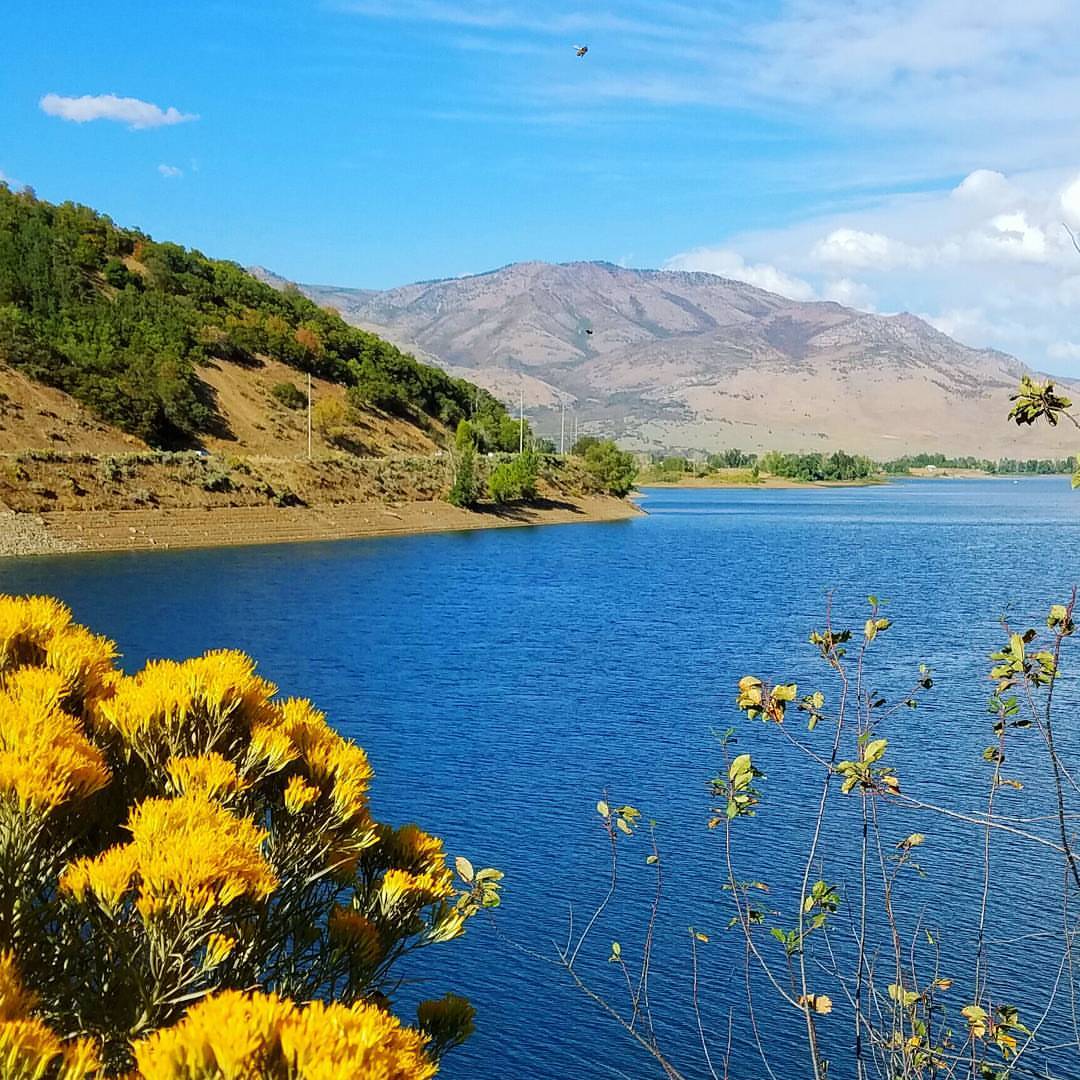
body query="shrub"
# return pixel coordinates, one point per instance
(465, 489)
(612, 470)
(289, 395)
(502, 485)
(183, 840)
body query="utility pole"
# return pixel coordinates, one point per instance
(562, 429)
(521, 424)
(309, 415)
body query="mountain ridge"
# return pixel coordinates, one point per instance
(690, 360)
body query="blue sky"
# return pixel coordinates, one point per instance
(898, 155)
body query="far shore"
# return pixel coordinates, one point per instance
(779, 482)
(164, 529)
(766, 482)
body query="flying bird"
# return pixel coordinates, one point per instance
(581, 49)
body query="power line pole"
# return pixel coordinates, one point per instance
(562, 429)
(309, 415)
(521, 423)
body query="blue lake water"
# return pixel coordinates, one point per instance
(501, 681)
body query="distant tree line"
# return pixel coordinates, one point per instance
(841, 465)
(1001, 467)
(122, 322)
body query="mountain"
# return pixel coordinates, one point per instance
(110, 339)
(690, 360)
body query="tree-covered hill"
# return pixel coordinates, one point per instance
(123, 324)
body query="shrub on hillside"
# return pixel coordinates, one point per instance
(289, 395)
(465, 489)
(515, 480)
(184, 854)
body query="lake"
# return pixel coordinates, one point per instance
(501, 681)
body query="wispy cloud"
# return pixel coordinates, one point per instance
(170, 172)
(730, 264)
(1001, 82)
(137, 114)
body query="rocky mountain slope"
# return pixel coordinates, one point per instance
(690, 360)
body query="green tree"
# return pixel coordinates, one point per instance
(465, 489)
(584, 443)
(612, 470)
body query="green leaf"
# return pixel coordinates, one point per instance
(603, 809)
(874, 751)
(464, 869)
(741, 770)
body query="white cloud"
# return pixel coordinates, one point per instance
(859, 249)
(1064, 350)
(986, 261)
(135, 113)
(1070, 202)
(964, 324)
(730, 264)
(1014, 236)
(983, 185)
(170, 172)
(850, 293)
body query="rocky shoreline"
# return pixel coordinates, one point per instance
(162, 529)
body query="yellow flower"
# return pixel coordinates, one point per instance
(240, 1035)
(299, 795)
(15, 1000)
(28, 1048)
(339, 767)
(154, 702)
(270, 749)
(85, 660)
(45, 759)
(188, 708)
(327, 1042)
(412, 849)
(108, 877)
(219, 948)
(224, 684)
(208, 774)
(26, 624)
(400, 889)
(186, 854)
(230, 1034)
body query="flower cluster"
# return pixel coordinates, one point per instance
(186, 854)
(235, 1034)
(28, 1047)
(172, 840)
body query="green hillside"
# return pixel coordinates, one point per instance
(122, 323)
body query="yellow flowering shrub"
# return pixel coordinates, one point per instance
(234, 1034)
(183, 855)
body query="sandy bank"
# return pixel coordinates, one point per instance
(171, 528)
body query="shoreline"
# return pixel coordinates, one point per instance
(73, 532)
(777, 483)
(774, 483)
